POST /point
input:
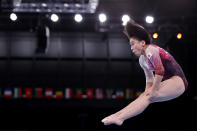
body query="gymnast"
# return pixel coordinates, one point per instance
(165, 79)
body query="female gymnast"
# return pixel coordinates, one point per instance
(167, 82)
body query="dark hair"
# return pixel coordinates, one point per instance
(136, 31)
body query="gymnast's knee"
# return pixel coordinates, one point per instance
(149, 95)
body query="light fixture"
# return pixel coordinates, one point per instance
(179, 36)
(13, 16)
(102, 17)
(155, 35)
(44, 5)
(125, 19)
(54, 17)
(78, 18)
(149, 19)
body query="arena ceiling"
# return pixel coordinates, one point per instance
(167, 13)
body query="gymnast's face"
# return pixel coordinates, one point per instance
(137, 47)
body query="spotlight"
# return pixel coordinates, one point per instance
(13, 16)
(102, 17)
(44, 5)
(78, 18)
(155, 35)
(37, 10)
(149, 19)
(179, 36)
(66, 5)
(125, 19)
(54, 17)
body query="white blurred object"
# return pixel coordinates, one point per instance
(102, 17)
(149, 19)
(54, 17)
(78, 18)
(125, 19)
(13, 16)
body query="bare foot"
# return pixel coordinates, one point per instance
(112, 119)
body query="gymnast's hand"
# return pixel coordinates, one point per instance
(113, 119)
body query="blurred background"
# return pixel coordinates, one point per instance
(66, 64)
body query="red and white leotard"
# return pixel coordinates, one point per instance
(162, 63)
